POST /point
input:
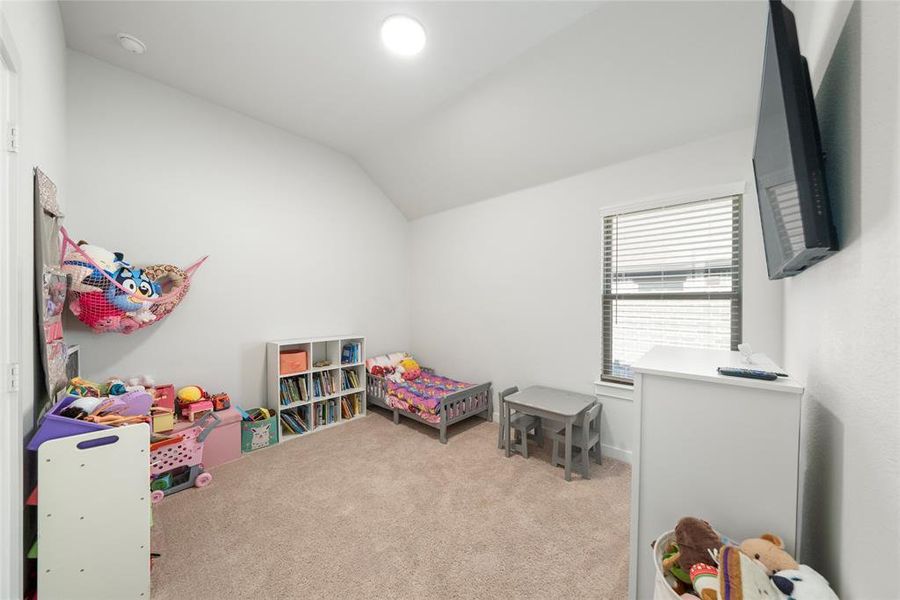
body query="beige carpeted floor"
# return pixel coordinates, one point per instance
(376, 510)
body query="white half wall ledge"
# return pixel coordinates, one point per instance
(608, 389)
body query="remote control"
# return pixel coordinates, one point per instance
(748, 373)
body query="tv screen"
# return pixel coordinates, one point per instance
(787, 159)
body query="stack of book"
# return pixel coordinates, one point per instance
(349, 379)
(350, 405)
(351, 353)
(349, 408)
(326, 413)
(293, 389)
(295, 420)
(324, 384)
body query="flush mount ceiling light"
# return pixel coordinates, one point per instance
(131, 43)
(403, 35)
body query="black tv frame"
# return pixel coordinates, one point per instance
(820, 236)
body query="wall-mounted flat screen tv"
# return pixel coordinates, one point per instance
(787, 159)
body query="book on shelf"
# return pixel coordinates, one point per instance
(292, 421)
(346, 410)
(351, 353)
(324, 413)
(324, 384)
(350, 406)
(349, 379)
(293, 390)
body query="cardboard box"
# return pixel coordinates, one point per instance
(163, 421)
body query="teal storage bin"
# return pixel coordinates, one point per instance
(256, 435)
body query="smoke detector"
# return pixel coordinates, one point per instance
(131, 43)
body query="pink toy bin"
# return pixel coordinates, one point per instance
(223, 444)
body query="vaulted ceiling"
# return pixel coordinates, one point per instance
(505, 96)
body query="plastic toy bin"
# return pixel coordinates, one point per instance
(54, 425)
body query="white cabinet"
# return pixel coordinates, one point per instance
(94, 515)
(724, 449)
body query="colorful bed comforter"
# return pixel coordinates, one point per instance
(423, 396)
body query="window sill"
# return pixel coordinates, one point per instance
(614, 390)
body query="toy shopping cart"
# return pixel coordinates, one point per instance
(176, 463)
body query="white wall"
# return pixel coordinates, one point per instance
(841, 320)
(37, 34)
(819, 25)
(509, 289)
(300, 241)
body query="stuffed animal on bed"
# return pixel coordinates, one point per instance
(410, 369)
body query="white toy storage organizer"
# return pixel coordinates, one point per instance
(94, 515)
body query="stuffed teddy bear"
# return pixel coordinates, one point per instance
(695, 539)
(768, 549)
(803, 583)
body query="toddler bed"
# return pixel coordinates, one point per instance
(401, 386)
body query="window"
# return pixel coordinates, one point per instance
(671, 276)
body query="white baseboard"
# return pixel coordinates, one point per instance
(616, 453)
(610, 451)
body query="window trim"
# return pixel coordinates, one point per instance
(734, 188)
(729, 189)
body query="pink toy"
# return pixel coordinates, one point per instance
(196, 408)
(165, 396)
(176, 464)
(224, 443)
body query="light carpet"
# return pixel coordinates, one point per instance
(376, 510)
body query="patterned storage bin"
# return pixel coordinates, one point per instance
(259, 434)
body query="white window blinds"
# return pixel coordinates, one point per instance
(671, 276)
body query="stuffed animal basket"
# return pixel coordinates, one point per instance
(108, 294)
(661, 588)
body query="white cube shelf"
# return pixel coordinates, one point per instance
(320, 391)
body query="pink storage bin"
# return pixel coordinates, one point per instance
(223, 444)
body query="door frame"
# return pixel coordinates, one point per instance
(11, 335)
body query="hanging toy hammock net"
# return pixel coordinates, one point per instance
(108, 294)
